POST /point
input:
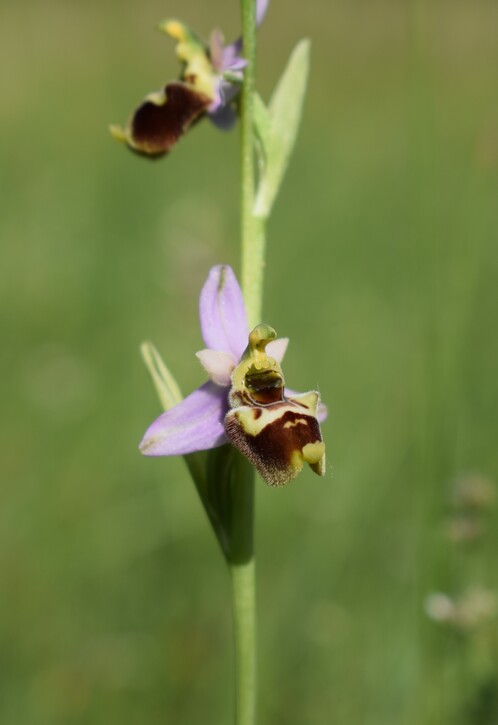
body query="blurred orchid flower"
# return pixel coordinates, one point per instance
(244, 401)
(210, 80)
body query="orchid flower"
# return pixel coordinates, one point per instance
(244, 402)
(209, 82)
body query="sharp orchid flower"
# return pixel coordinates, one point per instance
(245, 401)
(209, 82)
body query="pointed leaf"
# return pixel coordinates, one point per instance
(262, 132)
(285, 110)
(262, 122)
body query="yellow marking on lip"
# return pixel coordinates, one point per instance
(292, 423)
(118, 133)
(253, 427)
(314, 452)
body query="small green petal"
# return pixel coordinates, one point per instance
(165, 384)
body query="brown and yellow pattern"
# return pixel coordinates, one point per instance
(163, 117)
(278, 434)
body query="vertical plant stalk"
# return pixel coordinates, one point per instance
(243, 593)
(241, 562)
(252, 227)
(242, 570)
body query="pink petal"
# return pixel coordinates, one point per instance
(261, 8)
(277, 348)
(222, 312)
(218, 365)
(230, 52)
(216, 49)
(322, 412)
(223, 117)
(195, 424)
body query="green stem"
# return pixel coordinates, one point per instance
(253, 267)
(241, 557)
(243, 588)
(242, 570)
(240, 498)
(253, 229)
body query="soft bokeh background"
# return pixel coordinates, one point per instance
(382, 269)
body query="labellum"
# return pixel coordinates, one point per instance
(164, 116)
(277, 433)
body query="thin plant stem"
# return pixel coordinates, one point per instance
(241, 563)
(253, 271)
(243, 589)
(242, 570)
(252, 228)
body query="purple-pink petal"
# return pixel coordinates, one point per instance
(277, 348)
(230, 52)
(222, 312)
(237, 64)
(218, 365)
(195, 424)
(261, 8)
(322, 412)
(223, 117)
(216, 49)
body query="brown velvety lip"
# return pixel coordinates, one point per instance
(155, 129)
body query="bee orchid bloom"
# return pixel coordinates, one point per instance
(245, 401)
(209, 83)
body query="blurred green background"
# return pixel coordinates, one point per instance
(382, 269)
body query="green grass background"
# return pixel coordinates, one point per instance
(382, 269)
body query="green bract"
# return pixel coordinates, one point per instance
(276, 127)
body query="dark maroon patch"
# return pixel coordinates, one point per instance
(270, 451)
(276, 443)
(265, 387)
(156, 129)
